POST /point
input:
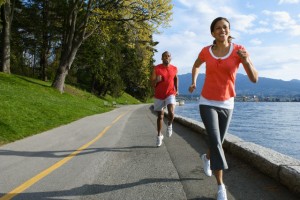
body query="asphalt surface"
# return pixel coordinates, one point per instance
(113, 156)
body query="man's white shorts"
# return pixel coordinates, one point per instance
(159, 104)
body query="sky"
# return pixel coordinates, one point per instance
(268, 29)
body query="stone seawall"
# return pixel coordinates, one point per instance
(282, 168)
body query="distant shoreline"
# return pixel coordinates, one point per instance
(247, 98)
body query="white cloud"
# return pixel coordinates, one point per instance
(282, 21)
(249, 5)
(205, 8)
(263, 22)
(186, 3)
(259, 30)
(184, 50)
(189, 34)
(267, 35)
(288, 2)
(255, 41)
(243, 23)
(276, 61)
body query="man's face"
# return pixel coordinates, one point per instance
(166, 58)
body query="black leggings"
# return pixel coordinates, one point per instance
(216, 121)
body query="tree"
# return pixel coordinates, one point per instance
(7, 12)
(45, 46)
(47, 30)
(98, 64)
(85, 16)
(38, 26)
(116, 61)
(138, 62)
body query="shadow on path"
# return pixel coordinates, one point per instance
(92, 189)
(65, 153)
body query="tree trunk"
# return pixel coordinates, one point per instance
(72, 40)
(43, 63)
(66, 61)
(45, 40)
(6, 17)
(60, 77)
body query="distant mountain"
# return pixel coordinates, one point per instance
(264, 86)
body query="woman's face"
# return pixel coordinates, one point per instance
(221, 31)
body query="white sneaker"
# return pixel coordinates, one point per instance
(169, 131)
(206, 165)
(222, 195)
(159, 140)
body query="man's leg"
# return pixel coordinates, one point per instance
(160, 117)
(170, 101)
(159, 108)
(171, 108)
(160, 137)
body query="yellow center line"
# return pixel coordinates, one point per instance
(46, 172)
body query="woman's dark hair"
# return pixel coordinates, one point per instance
(212, 26)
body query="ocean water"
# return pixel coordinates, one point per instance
(275, 125)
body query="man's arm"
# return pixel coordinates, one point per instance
(176, 83)
(153, 78)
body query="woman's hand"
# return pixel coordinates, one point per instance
(247, 63)
(192, 88)
(243, 54)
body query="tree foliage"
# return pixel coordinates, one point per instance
(85, 17)
(105, 46)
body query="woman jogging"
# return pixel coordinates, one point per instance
(222, 60)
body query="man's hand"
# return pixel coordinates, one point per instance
(158, 78)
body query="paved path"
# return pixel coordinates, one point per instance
(113, 156)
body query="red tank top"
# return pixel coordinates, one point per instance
(165, 87)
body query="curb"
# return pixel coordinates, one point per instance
(283, 168)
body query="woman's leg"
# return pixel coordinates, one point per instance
(219, 176)
(210, 118)
(224, 121)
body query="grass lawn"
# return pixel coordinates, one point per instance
(31, 106)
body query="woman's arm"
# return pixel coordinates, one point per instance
(195, 72)
(248, 65)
